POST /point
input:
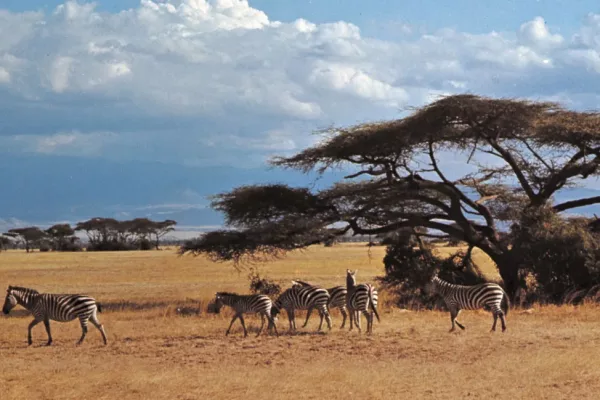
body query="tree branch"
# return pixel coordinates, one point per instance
(576, 203)
(515, 167)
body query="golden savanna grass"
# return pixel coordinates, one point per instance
(156, 353)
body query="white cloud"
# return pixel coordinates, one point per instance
(4, 75)
(71, 144)
(534, 33)
(200, 82)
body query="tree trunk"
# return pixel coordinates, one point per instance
(508, 268)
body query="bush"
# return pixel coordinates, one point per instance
(262, 285)
(562, 255)
(111, 246)
(145, 244)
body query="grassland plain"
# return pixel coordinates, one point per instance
(156, 353)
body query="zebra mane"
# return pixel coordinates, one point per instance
(302, 283)
(227, 294)
(22, 289)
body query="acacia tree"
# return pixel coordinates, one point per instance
(30, 236)
(5, 242)
(521, 153)
(61, 234)
(160, 229)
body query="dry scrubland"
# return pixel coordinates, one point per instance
(155, 353)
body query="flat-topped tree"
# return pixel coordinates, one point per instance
(520, 154)
(29, 236)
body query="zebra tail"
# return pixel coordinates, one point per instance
(373, 304)
(505, 304)
(99, 307)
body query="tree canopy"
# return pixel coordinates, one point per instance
(519, 154)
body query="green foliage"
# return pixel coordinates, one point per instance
(562, 254)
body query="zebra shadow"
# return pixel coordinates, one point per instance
(304, 333)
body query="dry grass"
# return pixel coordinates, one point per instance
(154, 353)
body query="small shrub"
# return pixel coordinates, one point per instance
(262, 285)
(145, 244)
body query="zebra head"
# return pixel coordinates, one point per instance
(431, 287)
(350, 278)
(218, 302)
(10, 302)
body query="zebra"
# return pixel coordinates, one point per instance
(241, 304)
(337, 299)
(359, 298)
(485, 295)
(302, 298)
(55, 307)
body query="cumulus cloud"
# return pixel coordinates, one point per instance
(201, 82)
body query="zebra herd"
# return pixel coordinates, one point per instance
(353, 300)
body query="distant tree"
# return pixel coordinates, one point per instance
(109, 234)
(61, 236)
(30, 236)
(160, 229)
(5, 242)
(536, 150)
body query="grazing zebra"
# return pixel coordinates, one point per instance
(241, 304)
(55, 307)
(358, 299)
(337, 299)
(302, 298)
(486, 295)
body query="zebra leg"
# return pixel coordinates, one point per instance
(369, 317)
(502, 321)
(322, 315)
(307, 316)
(31, 325)
(453, 315)
(344, 315)
(461, 326)
(243, 325)
(231, 324)
(327, 318)
(262, 324)
(99, 326)
(495, 321)
(272, 323)
(47, 325)
(294, 319)
(84, 330)
(351, 313)
(357, 321)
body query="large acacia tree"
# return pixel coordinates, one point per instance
(520, 154)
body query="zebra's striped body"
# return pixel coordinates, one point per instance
(485, 295)
(243, 304)
(56, 307)
(302, 298)
(360, 298)
(337, 299)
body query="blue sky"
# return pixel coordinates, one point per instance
(127, 108)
